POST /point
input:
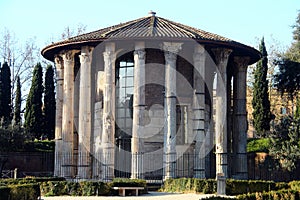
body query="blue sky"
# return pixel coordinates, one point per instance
(240, 20)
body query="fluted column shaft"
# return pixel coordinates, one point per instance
(68, 115)
(171, 50)
(240, 117)
(137, 143)
(108, 137)
(199, 110)
(58, 114)
(85, 114)
(221, 56)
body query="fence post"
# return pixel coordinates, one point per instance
(15, 173)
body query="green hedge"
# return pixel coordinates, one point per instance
(206, 186)
(276, 195)
(294, 185)
(88, 188)
(258, 145)
(11, 181)
(233, 187)
(20, 192)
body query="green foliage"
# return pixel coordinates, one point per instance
(297, 112)
(33, 113)
(285, 143)
(234, 187)
(20, 192)
(4, 191)
(11, 139)
(287, 79)
(209, 186)
(5, 95)
(14, 139)
(18, 102)
(276, 195)
(259, 145)
(40, 145)
(206, 186)
(293, 53)
(87, 188)
(261, 102)
(218, 198)
(294, 185)
(49, 103)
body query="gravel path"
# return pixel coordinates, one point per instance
(151, 196)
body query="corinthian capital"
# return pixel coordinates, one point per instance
(241, 62)
(109, 56)
(221, 55)
(140, 53)
(68, 56)
(172, 47)
(86, 54)
(58, 62)
(199, 53)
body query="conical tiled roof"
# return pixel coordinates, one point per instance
(148, 27)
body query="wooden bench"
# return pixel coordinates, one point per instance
(123, 189)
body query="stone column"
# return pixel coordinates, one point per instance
(221, 57)
(171, 50)
(68, 115)
(240, 117)
(85, 114)
(108, 137)
(199, 111)
(58, 114)
(137, 143)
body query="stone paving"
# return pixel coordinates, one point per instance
(150, 196)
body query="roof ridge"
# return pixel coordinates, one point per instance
(121, 26)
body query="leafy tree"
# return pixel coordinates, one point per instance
(287, 147)
(18, 101)
(260, 102)
(287, 80)
(293, 53)
(6, 107)
(49, 103)
(33, 113)
(20, 57)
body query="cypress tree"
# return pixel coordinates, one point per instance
(49, 103)
(6, 106)
(33, 110)
(18, 101)
(261, 102)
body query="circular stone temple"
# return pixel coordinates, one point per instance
(152, 99)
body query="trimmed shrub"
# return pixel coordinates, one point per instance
(4, 191)
(88, 188)
(20, 192)
(190, 185)
(294, 185)
(234, 187)
(276, 195)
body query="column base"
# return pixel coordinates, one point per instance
(222, 164)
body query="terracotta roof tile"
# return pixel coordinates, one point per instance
(145, 27)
